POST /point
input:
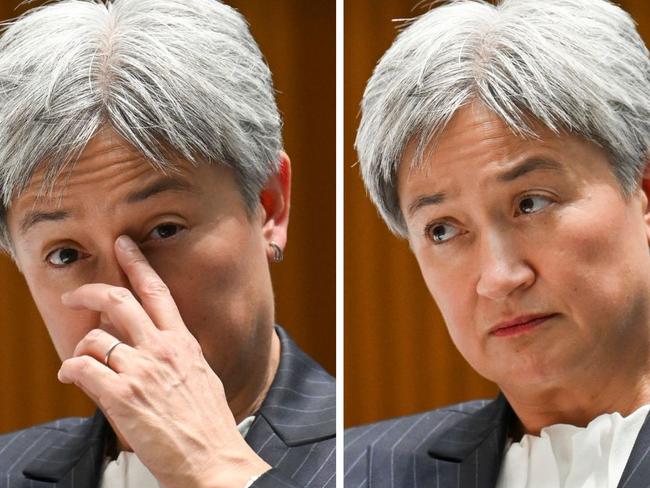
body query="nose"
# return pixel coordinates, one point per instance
(111, 273)
(503, 270)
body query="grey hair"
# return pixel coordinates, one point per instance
(572, 65)
(174, 78)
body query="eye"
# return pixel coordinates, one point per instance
(531, 204)
(63, 256)
(440, 232)
(165, 231)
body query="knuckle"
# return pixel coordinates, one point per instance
(133, 390)
(164, 353)
(119, 295)
(155, 288)
(195, 347)
(81, 366)
(136, 260)
(93, 336)
(191, 344)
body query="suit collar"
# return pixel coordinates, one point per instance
(462, 438)
(455, 446)
(482, 436)
(77, 451)
(637, 469)
(300, 406)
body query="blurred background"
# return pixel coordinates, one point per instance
(298, 39)
(398, 356)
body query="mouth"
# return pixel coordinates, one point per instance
(520, 325)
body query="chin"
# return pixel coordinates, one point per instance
(520, 370)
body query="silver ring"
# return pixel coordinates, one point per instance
(110, 350)
(278, 253)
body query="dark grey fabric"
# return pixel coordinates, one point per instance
(294, 431)
(460, 446)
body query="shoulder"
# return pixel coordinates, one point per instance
(400, 428)
(402, 434)
(12, 440)
(18, 447)
(297, 426)
(301, 382)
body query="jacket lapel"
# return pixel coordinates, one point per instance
(72, 454)
(300, 406)
(466, 451)
(471, 450)
(637, 469)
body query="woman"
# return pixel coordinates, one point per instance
(508, 144)
(145, 193)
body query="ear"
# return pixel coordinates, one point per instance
(275, 198)
(645, 187)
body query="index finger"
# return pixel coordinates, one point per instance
(154, 294)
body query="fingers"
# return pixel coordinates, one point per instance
(92, 377)
(150, 288)
(97, 344)
(119, 305)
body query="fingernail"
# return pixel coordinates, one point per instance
(60, 377)
(125, 243)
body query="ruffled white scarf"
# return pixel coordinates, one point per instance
(565, 456)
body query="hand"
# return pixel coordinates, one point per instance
(159, 393)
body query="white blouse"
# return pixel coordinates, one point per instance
(566, 456)
(127, 471)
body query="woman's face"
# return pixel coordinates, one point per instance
(537, 262)
(194, 230)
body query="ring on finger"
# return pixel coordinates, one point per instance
(110, 350)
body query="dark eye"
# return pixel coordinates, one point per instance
(440, 233)
(165, 231)
(63, 256)
(533, 203)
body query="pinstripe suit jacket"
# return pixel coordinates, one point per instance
(293, 431)
(460, 446)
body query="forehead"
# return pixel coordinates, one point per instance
(477, 146)
(473, 130)
(108, 165)
(110, 177)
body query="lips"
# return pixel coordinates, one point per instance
(519, 324)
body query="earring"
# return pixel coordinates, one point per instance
(278, 253)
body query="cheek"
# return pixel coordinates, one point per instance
(452, 291)
(593, 265)
(66, 327)
(594, 256)
(218, 285)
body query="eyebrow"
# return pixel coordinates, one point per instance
(528, 166)
(425, 200)
(159, 186)
(521, 169)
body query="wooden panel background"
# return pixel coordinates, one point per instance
(298, 40)
(398, 356)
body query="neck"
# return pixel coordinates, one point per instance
(249, 400)
(621, 388)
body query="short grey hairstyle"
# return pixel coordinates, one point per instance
(174, 78)
(572, 65)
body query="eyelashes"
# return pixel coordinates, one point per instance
(66, 256)
(443, 231)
